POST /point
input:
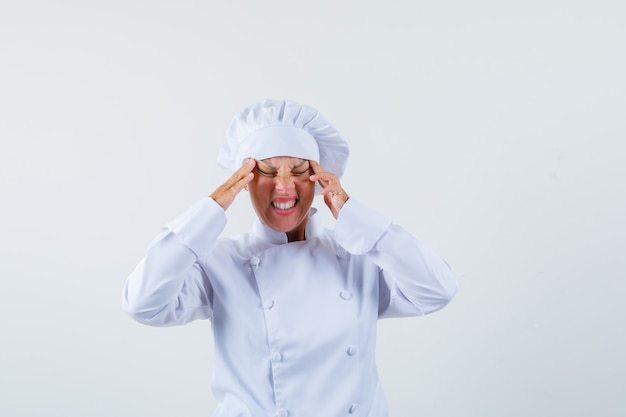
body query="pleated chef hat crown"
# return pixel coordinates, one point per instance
(270, 128)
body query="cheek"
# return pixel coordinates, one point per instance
(258, 192)
(307, 191)
(260, 186)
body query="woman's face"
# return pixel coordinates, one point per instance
(282, 194)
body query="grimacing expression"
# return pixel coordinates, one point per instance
(282, 193)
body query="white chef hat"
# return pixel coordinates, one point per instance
(270, 128)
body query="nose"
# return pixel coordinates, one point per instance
(284, 181)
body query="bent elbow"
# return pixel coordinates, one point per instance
(449, 288)
(450, 291)
(140, 312)
(149, 316)
(441, 294)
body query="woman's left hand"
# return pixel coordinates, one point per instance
(334, 196)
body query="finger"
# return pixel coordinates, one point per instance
(242, 173)
(242, 183)
(317, 168)
(320, 175)
(225, 194)
(333, 192)
(246, 180)
(247, 167)
(324, 176)
(239, 185)
(326, 179)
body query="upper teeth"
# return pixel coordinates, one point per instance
(284, 206)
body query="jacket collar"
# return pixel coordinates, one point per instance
(262, 231)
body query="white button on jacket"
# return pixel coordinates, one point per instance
(294, 324)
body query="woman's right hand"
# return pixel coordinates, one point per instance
(226, 193)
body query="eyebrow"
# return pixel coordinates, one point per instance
(300, 164)
(293, 167)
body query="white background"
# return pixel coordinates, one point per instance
(494, 131)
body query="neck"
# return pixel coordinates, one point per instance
(295, 235)
(298, 233)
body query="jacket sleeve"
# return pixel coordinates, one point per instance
(169, 286)
(413, 280)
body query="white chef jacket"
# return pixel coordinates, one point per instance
(294, 323)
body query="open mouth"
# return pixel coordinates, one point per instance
(284, 205)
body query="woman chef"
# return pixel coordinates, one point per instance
(293, 306)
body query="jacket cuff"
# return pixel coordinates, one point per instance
(358, 227)
(199, 226)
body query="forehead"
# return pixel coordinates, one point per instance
(283, 161)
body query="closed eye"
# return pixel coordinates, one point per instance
(267, 174)
(299, 172)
